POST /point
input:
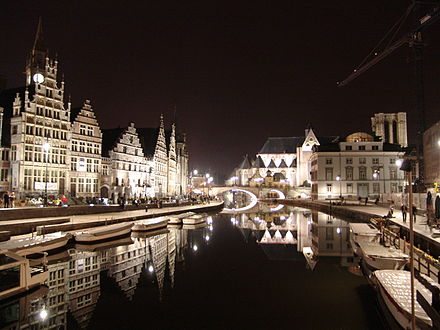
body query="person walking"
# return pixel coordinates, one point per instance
(403, 208)
(6, 200)
(414, 209)
(11, 199)
(366, 200)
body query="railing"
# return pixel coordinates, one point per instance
(423, 262)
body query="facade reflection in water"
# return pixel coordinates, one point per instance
(75, 276)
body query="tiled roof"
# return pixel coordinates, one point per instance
(258, 163)
(278, 145)
(245, 164)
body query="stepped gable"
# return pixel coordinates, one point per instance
(109, 139)
(283, 164)
(7, 98)
(272, 164)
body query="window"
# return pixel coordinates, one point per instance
(329, 187)
(362, 173)
(362, 161)
(4, 174)
(394, 188)
(74, 145)
(82, 129)
(375, 148)
(329, 233)
(392, 161)
(349, 188)
(348, 148)
(328, 161)
(361, 147)
(376, 188)
(14, 129)
(375, 161)
(393, 173)
(104, 169)
(349, 161)
(349, 173)
(73, 164)
(82, 146)
(89, 165)
(329, 174)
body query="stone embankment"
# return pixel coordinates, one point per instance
(87, 218)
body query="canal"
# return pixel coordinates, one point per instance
(275, 268)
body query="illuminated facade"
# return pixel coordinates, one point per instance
(431, 156)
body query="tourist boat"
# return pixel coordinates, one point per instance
(177, 219)
(17, 275)
(194, 219)
(394, 287)
(103, 233)
(362, 232)
(377, 256)
(150, 224)
(37, 244)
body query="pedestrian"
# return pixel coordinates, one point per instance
(366, 200)
(376, 201)
(11, 199)
(403, 208)
(360, 200)
(6, 199)
(414, 209)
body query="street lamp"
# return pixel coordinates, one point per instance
(46, 147)
(338, 178)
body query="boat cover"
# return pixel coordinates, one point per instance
(378, 250)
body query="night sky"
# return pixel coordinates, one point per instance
(237, 71)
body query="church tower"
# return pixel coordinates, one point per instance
(160, 160)
(172, 163)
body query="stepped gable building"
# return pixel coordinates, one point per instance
(85, 162)
(35, 118)
(130, 171)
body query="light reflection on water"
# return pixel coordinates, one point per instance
(231, 259)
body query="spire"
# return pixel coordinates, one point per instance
(39, 44)
(161, 121)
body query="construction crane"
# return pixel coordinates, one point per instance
(414, 40)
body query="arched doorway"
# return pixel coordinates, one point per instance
(104, 192)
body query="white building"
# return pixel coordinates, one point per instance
(357, 166)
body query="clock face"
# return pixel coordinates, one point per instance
(38, 78)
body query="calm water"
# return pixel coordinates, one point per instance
(243, 271)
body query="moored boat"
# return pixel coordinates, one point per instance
(151, 233)
(177, 219)
(37, 244)
(103, 233)
(377, 256)
(195, 226)
(17, 275)
(362, 232)
(150, 224)
(395, 289)
(194, 219)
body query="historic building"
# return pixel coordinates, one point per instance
(431, 147)
(49, 149)
(38, 125)
(357, 166)
(85, 162)
(390, 127)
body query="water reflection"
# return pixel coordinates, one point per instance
(75, 276)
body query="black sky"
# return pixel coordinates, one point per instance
(238, 71)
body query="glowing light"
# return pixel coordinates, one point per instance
(43, 314)
(150, 269)
(195, 248)
(209, 220)
(195, 172)
(207, 175)
(46, 146)
(207, 238)
(399, 162)
(338, 178)
(375, 175)
(338, 230)
(211, 228)
(282, 217)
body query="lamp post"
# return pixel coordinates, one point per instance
(46, 147)
(338, 178)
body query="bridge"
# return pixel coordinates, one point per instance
(253, 192)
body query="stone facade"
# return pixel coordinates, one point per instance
(357, 166)
(431, 147)
(390, 127)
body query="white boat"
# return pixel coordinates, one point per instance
(150, 224)
(194, 219)
(177, 219)
(195, 226)
(103, 233)
(311, 259)
(376, 256)
(394, 287)
(104, 245)
(362, 232)
(151, 233)
(17, 275)
(37, 244)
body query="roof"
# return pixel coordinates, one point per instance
(109, 139)
(258, 163)
(7, 98)
(272, 163)
(283, 163)
(280, 145)
(245, 164)
(327, 147)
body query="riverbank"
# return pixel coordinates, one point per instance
(81, 220)
(363, 213)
